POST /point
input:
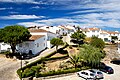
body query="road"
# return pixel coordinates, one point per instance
(8, 67)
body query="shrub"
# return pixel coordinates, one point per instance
(58, 72)
(97, 42)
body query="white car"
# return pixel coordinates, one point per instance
(86, 74)
(98, 74)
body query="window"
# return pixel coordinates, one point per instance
(91, 74)
(37, 44)
(82, 72)
(27, 44)
(20, 45)
(4, 44)
(44, 44)
(86, 73)
(93, 31)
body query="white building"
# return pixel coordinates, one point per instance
(53, 29)
(48, 35)
(36, 44)
(89, 32)
(64, 30)
(105, 36)
(4, 47)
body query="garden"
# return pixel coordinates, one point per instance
(67, 59)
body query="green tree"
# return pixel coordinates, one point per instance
(79, 36)
(56, 42)
(97, 42)
(14, 35)
(90, 55)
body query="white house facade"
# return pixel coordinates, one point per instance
(105, 36)
(4, 47)
(36, 44)
(63, 30)
(92, 32)
(48, 35)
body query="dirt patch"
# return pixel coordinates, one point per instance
(111, 53)
(55, 64)
(58, 55)
(2, 56)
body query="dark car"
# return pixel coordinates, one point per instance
(116, 62)
(107, 69)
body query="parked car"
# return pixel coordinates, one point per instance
(107, 69)
(115, 62)
(86, 74)
(98, 74)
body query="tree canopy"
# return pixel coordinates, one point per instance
(79, 35)
(14, 35)
(97, 42)
(56, 42)
(90, 55)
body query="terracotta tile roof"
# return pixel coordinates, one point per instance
(84, 29)
(113, 32)
(62, 27)
(93, 29)
(65, 27)
(37, 30)
(35, 37)
(104, 32)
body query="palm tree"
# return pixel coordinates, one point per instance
(75, 60)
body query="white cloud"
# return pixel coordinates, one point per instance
(56, 21)
(5, 8)
(35, 7)
(99, 19)
(49, 22)
(22, 17)
(12, 12)
(2, 8)
(28, 24)
(84, 11)
(23, 1)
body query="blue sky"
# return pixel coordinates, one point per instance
(104, 14)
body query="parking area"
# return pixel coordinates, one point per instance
(115, 76)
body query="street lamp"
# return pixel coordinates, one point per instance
(21, 64)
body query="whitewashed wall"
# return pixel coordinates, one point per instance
(103, 36)
(35, 46)
(92, 33)
(4, 47)
(48, 36)
(40, 44)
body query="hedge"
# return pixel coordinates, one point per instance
(58, 72)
